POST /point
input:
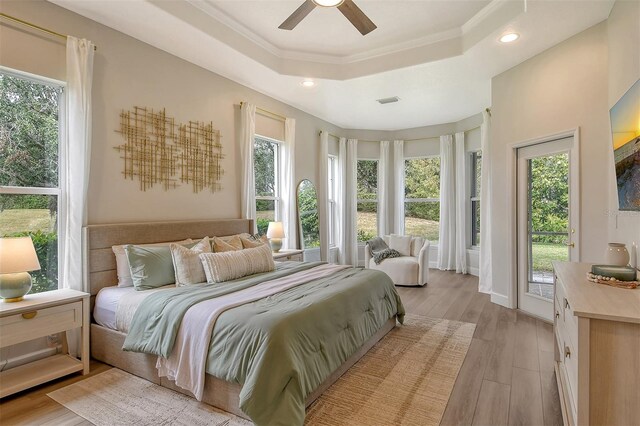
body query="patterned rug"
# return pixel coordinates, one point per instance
(405, 379)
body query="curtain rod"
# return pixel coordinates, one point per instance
(268, 113)
(36, 27)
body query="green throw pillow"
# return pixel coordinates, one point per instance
(151, 267)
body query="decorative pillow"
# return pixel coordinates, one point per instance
(151, 267)
(186, 262)
(251, 243)
(401, 243)
(223, 244)
(122, 262)
(220, 267)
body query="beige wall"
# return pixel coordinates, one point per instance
(623, 28)
(128, 72)
(560, 89)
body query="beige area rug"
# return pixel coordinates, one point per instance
(406, 379)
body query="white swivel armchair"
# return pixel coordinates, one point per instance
(410, 270)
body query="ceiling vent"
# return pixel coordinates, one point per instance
(389, 100)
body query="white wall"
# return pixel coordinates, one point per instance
(623, 30)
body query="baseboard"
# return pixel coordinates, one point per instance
(500, 299)
(474, 271)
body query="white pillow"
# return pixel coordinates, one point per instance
(187, 264)
(122, 261)
(401, 243)
(230, 265)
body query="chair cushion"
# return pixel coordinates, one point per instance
(402, 270)
(402, 243)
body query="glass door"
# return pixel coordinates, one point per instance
(544, 222)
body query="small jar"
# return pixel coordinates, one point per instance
(617, 254)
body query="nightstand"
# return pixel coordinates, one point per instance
(40, 315)
(292, 255)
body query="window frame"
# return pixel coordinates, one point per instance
(331, 198)
(419, 200)
(277, 193)
(58, 191)
(363, 200)
(474, 197)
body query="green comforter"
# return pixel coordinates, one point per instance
(279, 348)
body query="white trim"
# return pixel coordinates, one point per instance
(33, 77)
(30, 190)
(512, 222)
(501, 299)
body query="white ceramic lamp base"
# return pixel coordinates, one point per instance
(276, 244)
(13, 287)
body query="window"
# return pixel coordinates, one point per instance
(332, 200)
(30, 118)
(476, 173)
(422, 197)
(367, 181)
(266, 161)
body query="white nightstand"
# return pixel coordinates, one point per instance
(40, 315)
(293, 255)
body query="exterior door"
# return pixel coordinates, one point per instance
(545, 212)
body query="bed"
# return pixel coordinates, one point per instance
(108, 338)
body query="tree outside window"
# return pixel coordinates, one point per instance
(367, 182)
(266, 166)
(422, 197)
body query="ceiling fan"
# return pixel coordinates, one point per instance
(347, 7)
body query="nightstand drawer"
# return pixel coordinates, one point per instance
(40, 322)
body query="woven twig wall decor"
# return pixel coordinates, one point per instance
(157, 151)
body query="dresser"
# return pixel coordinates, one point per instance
(40, 315)
(597, 349)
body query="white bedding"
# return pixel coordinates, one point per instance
(115, 306)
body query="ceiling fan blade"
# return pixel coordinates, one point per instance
(357, 17)
(297, 16)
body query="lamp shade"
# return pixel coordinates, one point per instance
(17, 255)
(275, 230)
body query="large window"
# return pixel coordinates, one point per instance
(422, 197)
(367, 180)
(266, 161)
(30, 118)
(476, 173)
(332, 200)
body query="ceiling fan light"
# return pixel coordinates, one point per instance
(509, 37)
(327, 3)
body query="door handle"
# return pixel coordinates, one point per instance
(570, 244)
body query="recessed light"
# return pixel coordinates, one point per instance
(308, 83)
(509, 37)
(328, 3)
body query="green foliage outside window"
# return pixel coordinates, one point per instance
(308, 212)
(550, 197)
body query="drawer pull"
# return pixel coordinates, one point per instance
(557, 314)
(567, 352)
(29, 315)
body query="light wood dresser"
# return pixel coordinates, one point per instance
(597, 349)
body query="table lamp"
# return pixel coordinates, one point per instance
(17, 257)
(275, 233)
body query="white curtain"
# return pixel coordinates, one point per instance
(323, 195)
(486, 271)
(383, 189)
(247, 180)
(76, 152)
(288, 185)
(447, 242)
(351, 205)
(398, 179)
(461, 205)
(341, 201)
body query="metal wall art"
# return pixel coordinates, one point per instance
(157, 151)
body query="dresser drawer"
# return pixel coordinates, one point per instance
(39, 323)
(570, 361)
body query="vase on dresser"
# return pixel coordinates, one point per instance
(617, 254)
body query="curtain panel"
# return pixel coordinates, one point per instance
(383, 189)
(461, 204)
(398, 184)
(341, 201)
(76, 155)
(247, 180)
(351, 213)
(486, 271)
(288, 188)
(323, 195)
(447, 241)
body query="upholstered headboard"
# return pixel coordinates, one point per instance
(100, 262)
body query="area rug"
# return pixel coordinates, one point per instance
(405, 379)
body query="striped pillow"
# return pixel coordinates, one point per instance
(230, 265)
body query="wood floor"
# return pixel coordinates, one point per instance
(507, 376)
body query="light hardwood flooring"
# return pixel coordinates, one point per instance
(507, 376)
